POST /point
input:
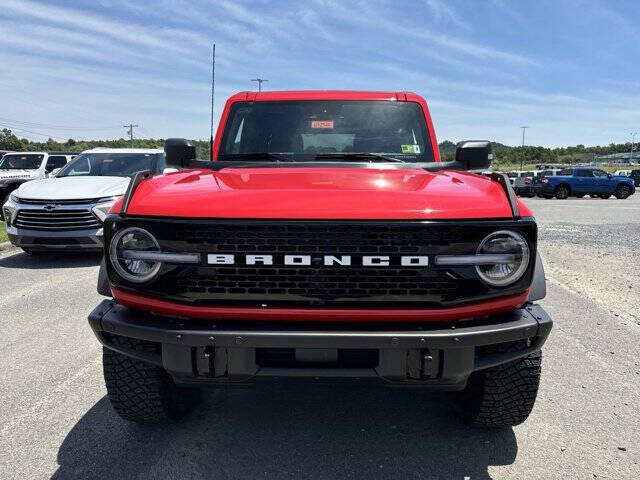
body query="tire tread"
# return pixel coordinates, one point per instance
(504, 395)
(141, 392)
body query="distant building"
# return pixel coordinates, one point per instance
(620, 158)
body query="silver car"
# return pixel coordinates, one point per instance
(66, 212)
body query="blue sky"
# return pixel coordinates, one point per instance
(569, 70)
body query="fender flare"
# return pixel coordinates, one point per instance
(538, 284)
(103, 281)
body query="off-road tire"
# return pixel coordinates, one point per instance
(604, 196)
(501, 396)
(141, 392)
(562, 192)
(622, 192)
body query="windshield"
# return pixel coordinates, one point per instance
(110, 164)
(21, 162)
(306, 130)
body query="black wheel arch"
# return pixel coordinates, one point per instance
(539, 284)
(103, 280)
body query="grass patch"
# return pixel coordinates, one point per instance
(3, 233)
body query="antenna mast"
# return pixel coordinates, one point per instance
(213, 77)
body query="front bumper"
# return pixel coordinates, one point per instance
(201, 351)
(525, 191)
(75, 240)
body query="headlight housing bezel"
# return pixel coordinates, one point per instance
(515, 274)
(119, 263)
(101, 209)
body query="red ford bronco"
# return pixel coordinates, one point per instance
(326, 241)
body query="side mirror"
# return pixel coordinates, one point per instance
(474, 154)
(48, 169)
(179, 152)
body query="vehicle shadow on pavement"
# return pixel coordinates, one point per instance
(306, 431)
(51, 260)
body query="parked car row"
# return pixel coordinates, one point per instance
(525, 184)
(17, 168)
(576, 182)
(65, 212)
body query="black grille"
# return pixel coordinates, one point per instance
(310, 238)
(321, 283)
(56, 220)
(316, 284)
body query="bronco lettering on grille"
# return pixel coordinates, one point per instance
(316, 260)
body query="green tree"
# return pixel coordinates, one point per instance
(8, 141)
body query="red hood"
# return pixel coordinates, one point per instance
(321, 193)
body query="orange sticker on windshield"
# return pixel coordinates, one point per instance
(322, 124)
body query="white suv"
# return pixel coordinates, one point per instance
(19, 167)
(66, 212)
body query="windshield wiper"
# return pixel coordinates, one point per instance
(358, 156)
(280, 157)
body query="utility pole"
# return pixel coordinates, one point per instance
(213, 81)
(130, 127)
(260, 82)
(633, 138)
(524, 128)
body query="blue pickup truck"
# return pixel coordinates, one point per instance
(581, 181)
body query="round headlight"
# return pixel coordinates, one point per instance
(504, 242)
(122, 250)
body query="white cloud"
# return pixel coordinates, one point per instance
(443, 11)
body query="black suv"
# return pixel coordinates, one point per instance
(635, 175)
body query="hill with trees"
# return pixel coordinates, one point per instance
(504, 155)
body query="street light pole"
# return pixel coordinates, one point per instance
(633, 138)
(524, 128)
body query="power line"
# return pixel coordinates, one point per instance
(130, 127)
(55, 127)
(10, 127)
(260, 82)
(151, 135)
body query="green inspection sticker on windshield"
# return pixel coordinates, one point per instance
(410, 148)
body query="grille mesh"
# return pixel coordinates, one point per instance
(56, 220)
(309, 238)
(324, 283)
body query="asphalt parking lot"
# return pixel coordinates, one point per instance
(56, 421)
